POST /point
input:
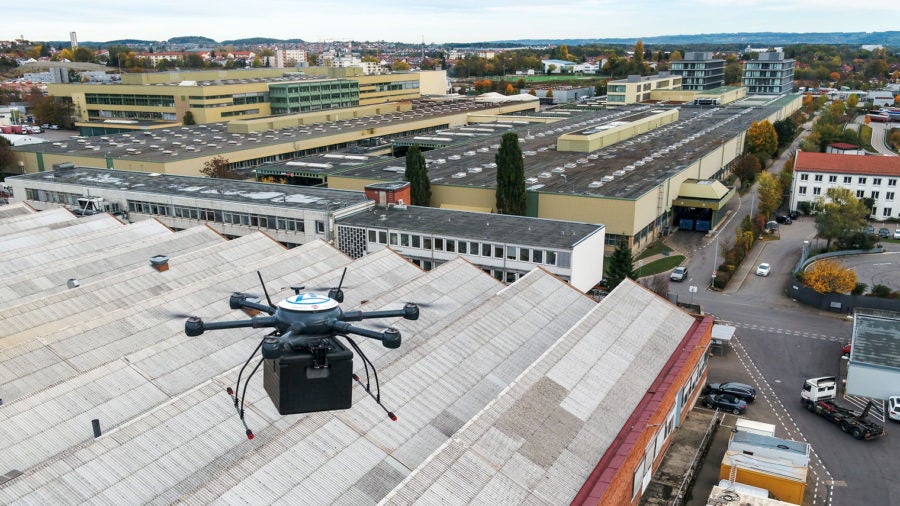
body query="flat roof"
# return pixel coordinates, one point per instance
(195, 141)
(231, 190)
(876, 338)
(631, 168)
(503, 228)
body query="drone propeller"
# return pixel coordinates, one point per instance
(173, 314)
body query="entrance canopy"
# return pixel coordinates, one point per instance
(703, 193)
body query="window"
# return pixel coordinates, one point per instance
(889, 196)
(426, 242)
(462, 247)
(373, 235)
(892, 182)
(804, 177)
(817, 191)
(537, 256)
(498, 251)
(861, 180)
(801, 190)
(395, 238)
(416, 241)
(382, 237)
(485, 249)
(524, 254)
(848, 179)
(860, 193)
(875, 195)
(876, 181)
(832, 179)
(438, 244)
(511, 253)
(551, 258)
(818, 177)
(886, 212)
(320, 227)
(404, 240)
(451, 245)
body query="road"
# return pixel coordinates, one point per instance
(781, 343)
(878, 132)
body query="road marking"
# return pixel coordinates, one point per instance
(798, 333)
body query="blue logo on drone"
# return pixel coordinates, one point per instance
(308, 299)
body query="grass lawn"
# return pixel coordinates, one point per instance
(658, 266)
(654, 249)
(544, 78)
(865, 137)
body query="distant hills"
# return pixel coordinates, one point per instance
(756, 39)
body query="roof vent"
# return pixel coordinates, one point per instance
(160, 263)
(73, 283)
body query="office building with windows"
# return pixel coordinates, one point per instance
(699, 71)
(867, 177)
(770, 74)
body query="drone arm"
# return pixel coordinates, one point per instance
(196, 326)
(390, 337)
(239, 301)
(410, 311)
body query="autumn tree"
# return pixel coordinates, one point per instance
(399, 66)
(761, 138)
(51, 110)
(829, 276)
(676, 56)
(852, 101)
(417, 175)
(620, 265)
(218, 167)
(841, 216)
(746, 168)
(639, 53)
(510, 193)
(769, 193)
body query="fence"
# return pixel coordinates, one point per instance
(680, 495)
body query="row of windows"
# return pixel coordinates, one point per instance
(474, 248)
(888, 196)
(401, 85)
(219, 216)
(139, 115)
(876, 181)
(142, 100)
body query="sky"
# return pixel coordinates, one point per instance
(439, 22)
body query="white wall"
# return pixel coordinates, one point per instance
(587, 261)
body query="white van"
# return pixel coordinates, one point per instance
(894, 408)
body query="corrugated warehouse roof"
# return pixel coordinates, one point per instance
(110, 349)
(539, 441)
(17, 209)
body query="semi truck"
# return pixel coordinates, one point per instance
(818, 395)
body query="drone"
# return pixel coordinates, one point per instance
(305, 367)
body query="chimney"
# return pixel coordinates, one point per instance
(73, 283)
(160, 263)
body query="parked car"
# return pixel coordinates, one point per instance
(725, 402)
(897, 234)
(763, 269)
(845, 349)
(784, 220)
(679, 274)
(870, 230)
(884, 233)
(893, 411)
(739, 390)
(794, 214)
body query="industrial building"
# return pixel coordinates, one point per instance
(507, 247)
(699, 71)
(635, 89)
(146, 101)
(770, 74)
(107, 400)
(873, 369)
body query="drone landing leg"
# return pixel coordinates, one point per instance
(238, 410)
(366, 363)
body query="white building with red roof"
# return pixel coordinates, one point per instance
(872, 177)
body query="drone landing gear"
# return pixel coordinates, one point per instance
(366, 364)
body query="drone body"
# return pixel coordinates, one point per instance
(306, 368)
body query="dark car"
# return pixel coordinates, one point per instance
(884, 233)
(740, 390)
(784, 220)
(725, 402)
(794, 214)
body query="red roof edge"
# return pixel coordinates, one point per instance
(598, 481)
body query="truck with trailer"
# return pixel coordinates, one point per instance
(819, 395)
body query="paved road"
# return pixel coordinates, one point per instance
(780, 343)
(878, 134)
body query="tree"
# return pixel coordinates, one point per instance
(50, 110)
(829, 276)
(399, 65)
(769, 194)
(676, 56)
(510, 195)
(733, 74)
(188, 119)
(639, 54)
(746, 168)
(761, 138)
(785, 130)
(620, 265)
(841, 216)
(852, 101)
(218, 167)
(417, 175)
(6, 155)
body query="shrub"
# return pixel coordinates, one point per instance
(859, 289)
(881, 291)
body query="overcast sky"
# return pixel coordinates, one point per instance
(436, 21)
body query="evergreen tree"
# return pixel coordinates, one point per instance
(510, 176)
(417, 175)
(619, 265)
